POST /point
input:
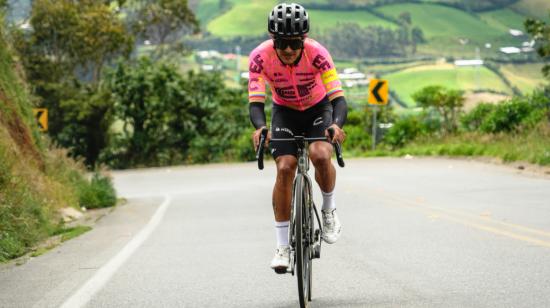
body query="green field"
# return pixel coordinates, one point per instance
(526, 76)
(322, 20)
(443, 21)
(208, 9)
(408, 81)
(246, 20)
(503, 19)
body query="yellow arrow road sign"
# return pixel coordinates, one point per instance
(378, 92)
(41, 116)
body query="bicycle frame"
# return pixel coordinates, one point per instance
(308, 247)
(302, 171)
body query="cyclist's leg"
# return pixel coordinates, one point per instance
(284, 154)
(320, 152)
(283, 125)
(282, 191)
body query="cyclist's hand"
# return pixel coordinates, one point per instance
(339, 134)
(256, 137)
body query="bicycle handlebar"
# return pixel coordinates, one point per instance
(263, 136)
(337, 148)
(260, 150)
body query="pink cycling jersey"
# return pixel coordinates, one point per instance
(297, 86)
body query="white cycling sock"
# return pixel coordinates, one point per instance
(328, 201)
(281, 230)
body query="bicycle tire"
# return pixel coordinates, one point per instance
(302, 256)
(311, 230)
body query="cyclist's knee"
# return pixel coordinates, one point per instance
(286, 166)
(320, 154)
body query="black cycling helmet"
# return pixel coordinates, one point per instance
(288, 20)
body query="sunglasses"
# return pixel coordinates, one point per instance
(281, 43)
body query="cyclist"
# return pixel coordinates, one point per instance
(307, 99)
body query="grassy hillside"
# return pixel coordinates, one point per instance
(503, 19)
(35, 181)
(443, 26)
(444, 22)
(408, 81)
(536, 8)
(526, 77)
(245, 20)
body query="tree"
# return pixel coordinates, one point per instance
(172, 118)
(70, 43)
(350, 40)
(417, 37)
(405, 18)
(164, 21)
(540, 31)
(79, 35)
(446, 102)
(403, 33)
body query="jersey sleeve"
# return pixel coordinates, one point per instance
(256, 82)
(329, 75)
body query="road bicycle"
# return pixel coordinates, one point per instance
(305, 232)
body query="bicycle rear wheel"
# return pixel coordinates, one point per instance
(303, 247)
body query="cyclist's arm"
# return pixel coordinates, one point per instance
(339, 111)
(257, 114)
(333, 86)
(256, 90)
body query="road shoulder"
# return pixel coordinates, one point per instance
(47, 280)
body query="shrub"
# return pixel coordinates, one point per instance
(404, 130)
(357, 138)
(506, 116)
(473, 120)
(98, 193)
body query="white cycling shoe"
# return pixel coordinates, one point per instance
(281, 260)
(331, 226)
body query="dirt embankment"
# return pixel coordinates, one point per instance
(19, 132)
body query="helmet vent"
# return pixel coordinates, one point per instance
(288, 26)
(288, 20)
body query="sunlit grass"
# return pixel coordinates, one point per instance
(408, 81)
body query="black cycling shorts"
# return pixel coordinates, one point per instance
(287, 122)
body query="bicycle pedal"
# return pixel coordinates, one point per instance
(281, 270)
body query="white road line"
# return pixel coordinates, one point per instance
(81, 297)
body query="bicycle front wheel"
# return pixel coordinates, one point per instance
(303, 247)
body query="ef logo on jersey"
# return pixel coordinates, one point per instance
(321, 63)
(256, 66)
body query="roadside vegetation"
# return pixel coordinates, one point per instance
(514, 130)
(37, 179)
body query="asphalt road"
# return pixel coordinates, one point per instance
(416, 233)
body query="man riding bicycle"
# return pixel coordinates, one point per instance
(307, 99)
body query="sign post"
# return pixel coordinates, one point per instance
(41, 116)
(375, 109)
(378, 96)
